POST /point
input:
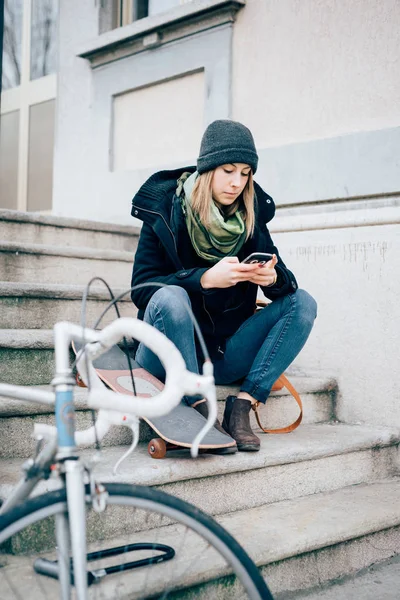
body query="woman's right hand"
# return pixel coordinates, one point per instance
(227, 273)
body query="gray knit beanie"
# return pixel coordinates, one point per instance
(226, 142)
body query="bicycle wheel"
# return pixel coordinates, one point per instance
(208, 561)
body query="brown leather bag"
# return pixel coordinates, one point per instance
(279, 384)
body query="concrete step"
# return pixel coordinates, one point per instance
(17, 418)
(38, 263)
(380, 580)
(313, 459)
(296, 543)
(26, 356)
(40, 306)
(60, 231)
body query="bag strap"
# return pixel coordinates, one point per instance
(285, 383)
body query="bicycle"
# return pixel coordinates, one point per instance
(186, 551)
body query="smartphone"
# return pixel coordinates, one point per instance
(258, 257)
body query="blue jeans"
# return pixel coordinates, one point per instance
(258, 353)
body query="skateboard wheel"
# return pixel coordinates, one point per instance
(157, 448)
(79, 381)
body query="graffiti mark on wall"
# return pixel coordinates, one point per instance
(360, 252)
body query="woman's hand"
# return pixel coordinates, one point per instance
(265, 275)
(228, 272)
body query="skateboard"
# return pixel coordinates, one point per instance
(178, 428)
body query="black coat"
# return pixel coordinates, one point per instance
(165, 254)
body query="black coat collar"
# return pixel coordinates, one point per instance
(157, 192)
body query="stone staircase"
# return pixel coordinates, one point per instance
(42, 279)
(310, 507)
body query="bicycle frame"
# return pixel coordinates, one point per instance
(62, 446)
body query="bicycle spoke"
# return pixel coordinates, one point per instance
(136, 526)
(148, 570)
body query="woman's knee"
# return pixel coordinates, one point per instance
(172, 301)
(306, 305)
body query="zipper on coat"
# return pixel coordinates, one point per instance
(209, 316)
(153, 212)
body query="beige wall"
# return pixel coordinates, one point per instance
(307, 69)
(9, 132)
(353, 275)
(159, 124)
(40, 158)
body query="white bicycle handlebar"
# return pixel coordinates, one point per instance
(123, 409)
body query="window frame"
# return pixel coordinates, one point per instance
(21, 98)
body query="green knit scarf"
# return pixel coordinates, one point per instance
(223, 237)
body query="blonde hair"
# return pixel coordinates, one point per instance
(202, 197)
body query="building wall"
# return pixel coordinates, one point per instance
(78, 22)
(353, 274)
(312, 69)
(318, 82)
(144, 135)
(128, 110)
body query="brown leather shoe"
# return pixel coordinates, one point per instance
(237, 423)
(202, 408)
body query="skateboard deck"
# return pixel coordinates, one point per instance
(178, 428)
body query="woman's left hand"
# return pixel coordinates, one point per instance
(265, 274)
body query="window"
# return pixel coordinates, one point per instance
(43, 38)
(27, 104)
(127, 11)
(12, 41)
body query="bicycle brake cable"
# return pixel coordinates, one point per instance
(83, 325)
